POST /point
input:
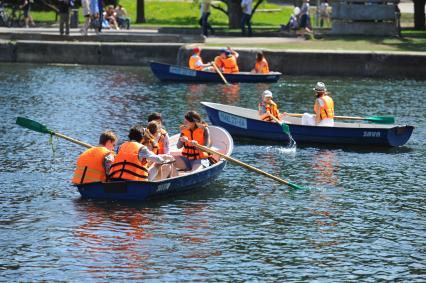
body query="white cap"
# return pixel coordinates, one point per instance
(319, 87)
(296, 11)
(267, 93)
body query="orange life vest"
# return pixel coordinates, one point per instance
(193, 62)
(230, 65)
(127, 165)
(265, 67)
(190, 151)
(327, 110)
(90, 166)
(161, 145)
(271, 108)
(218, 62)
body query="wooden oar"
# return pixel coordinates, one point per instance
(36, 126)
(220, 73)
(374, 119)
(247, 166)
(284, 126)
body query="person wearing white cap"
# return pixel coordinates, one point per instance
(323, 108)
(268, 107)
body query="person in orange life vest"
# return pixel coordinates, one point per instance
(193, 131)
(94, 164)
(262, 66)
(162, 137)
(228, 59)
(131, 162)
(324, 106)
(268, 107)
(196, 63)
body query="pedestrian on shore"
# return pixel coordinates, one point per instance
(204, 20)
(305, 19)
(101, 13)
(95, 20)
(324, 14)
(246, 6)
(85, 5)
(26, 7)
(64, 7)
(122, 17)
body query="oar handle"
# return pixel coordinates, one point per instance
(335, 117)
(236, 161)
(72, 140)
(219, 73)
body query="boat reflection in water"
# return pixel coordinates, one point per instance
(324, 165)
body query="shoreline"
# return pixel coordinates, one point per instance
(383, 64)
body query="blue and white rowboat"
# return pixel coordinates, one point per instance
(186, 181)
(245, 122)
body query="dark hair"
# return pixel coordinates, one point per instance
(155, 116)
(259, 56)
(193, 117)
(137, 133)
(153, 127)
(107, 136)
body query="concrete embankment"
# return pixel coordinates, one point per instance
(324, 63)
(132, 54)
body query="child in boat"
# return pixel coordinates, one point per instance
(323, 108)
(193, 131)
(268, 108)
(261, 66)
(196, 63)
(94, 164)
(162, 137)
(132, 160)
(227, 61)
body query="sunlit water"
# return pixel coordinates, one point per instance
(363, 218)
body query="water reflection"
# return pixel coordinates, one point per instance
(324, 165)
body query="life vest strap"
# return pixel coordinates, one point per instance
(125, 163)
(123, 170)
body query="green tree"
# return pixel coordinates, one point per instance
(234, 12)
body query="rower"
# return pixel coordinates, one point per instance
(193, 131)
(261, 66)
(268, 107)
(162, 137)
(131, 162)
(228, 61)
(323, 108)
(94, 164)
(196, 63)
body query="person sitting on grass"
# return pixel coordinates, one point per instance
(268, 108)
(94, 164)
(122, 17)
(110, 17)
(196, 63)
(261, 66)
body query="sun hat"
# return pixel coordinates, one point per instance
(320, 87)
(267, 93)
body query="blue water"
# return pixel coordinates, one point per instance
(363, 218)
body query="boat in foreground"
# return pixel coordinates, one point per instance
(186, 181)
(245, 122)
(167, 72)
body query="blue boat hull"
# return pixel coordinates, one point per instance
(166, 72)
(257, 129)
(144, 191)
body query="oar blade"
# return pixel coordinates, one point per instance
(294, 186)
(32, 125)
(381, 119)
(285, 128)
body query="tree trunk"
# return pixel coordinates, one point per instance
(234, 13)
(140, 12)
(419, 14)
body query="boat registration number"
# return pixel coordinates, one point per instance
(182, 71)
(371, 134)
(233, 120)
(163, 187)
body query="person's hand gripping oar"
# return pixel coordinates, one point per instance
(284, 126)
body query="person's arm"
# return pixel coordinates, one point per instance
(145, 153)
(166, 144)
(108, 160)
(206, 137)
(180, 141)
(317, 110)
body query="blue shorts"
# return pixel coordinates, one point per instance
(189, 163)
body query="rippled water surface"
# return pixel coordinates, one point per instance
(363, 218)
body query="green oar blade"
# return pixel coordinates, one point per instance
(381, 119)
(286, 128)
(32, 125)
(294, 186)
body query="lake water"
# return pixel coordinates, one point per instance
(363, 218)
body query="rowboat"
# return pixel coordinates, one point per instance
(245, 122)
(167, 72)
(185, 181)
